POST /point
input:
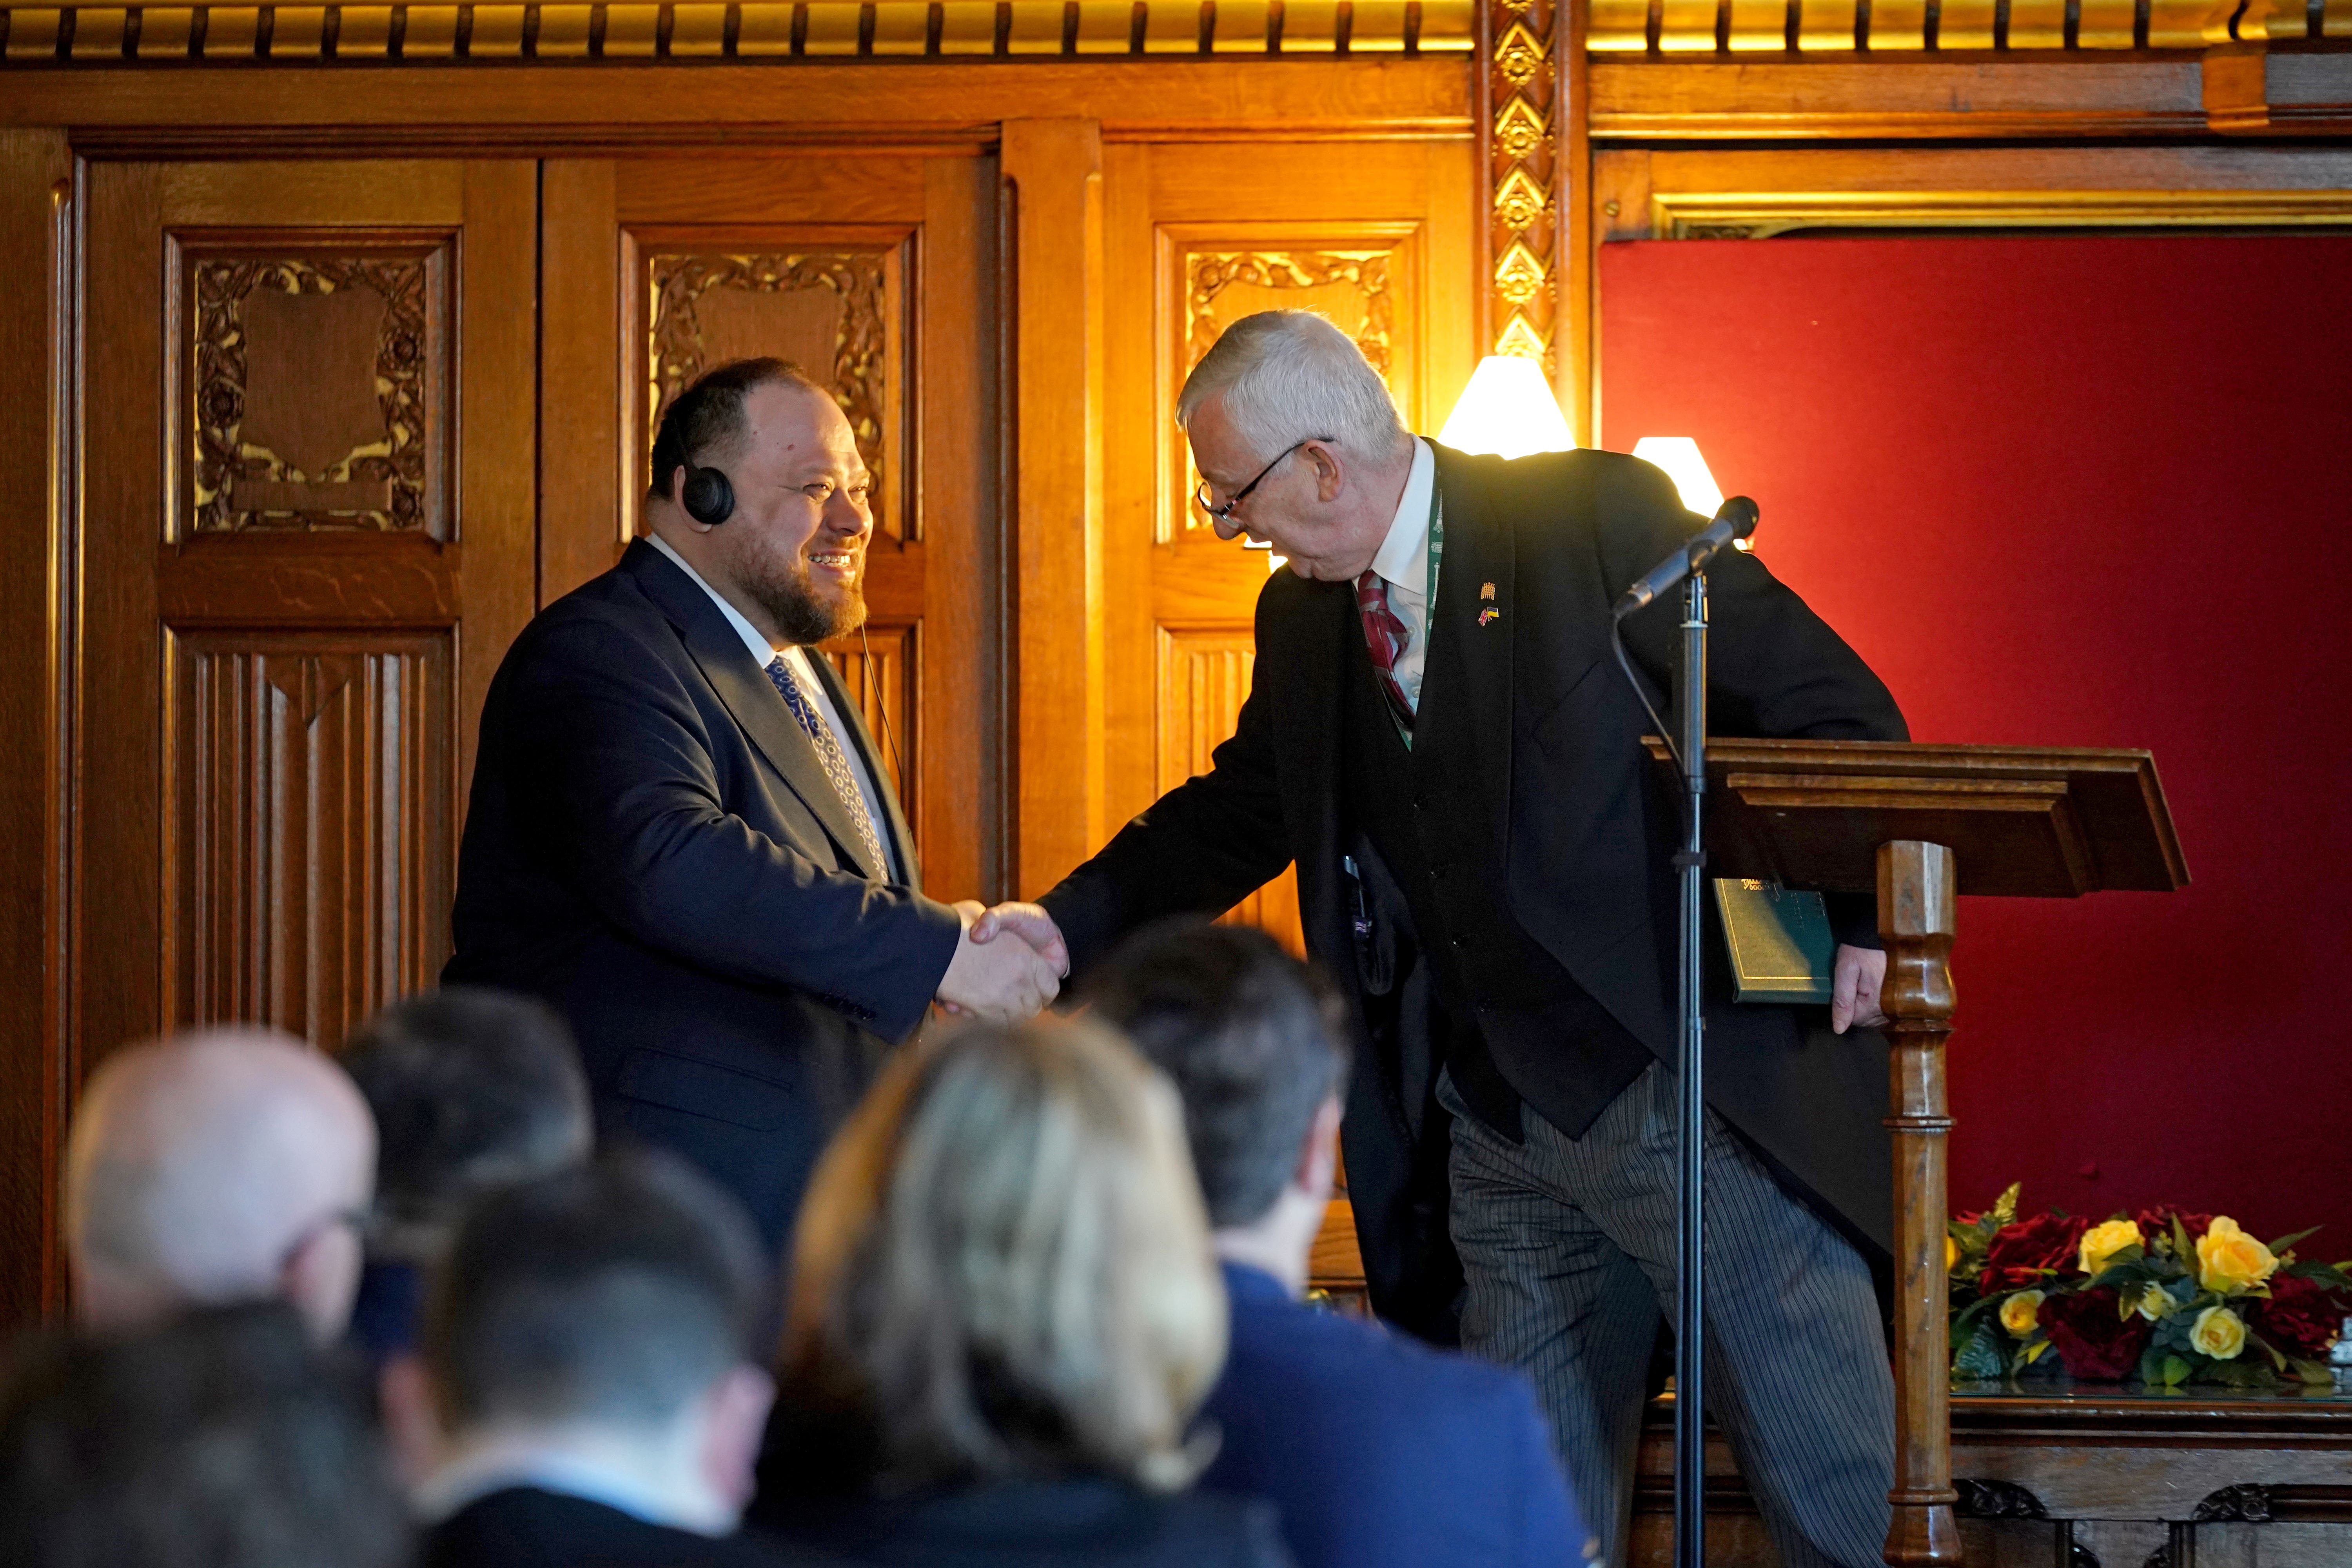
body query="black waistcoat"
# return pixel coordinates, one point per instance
(1516, 1026)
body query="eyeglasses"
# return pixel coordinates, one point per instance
(360, 1222)
(1225, 513)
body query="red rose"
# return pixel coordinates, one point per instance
(2157, 1221)
(2020, 1252)
(2093, 1342)
(2300, 1317)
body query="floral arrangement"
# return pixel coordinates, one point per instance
(2165, 1296)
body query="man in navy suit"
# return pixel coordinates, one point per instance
(680, 833)
(1377, 1448)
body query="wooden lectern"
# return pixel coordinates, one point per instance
(1919, 825)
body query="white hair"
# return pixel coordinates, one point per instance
(1288, 375)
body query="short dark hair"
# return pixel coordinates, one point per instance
(614, 1292)
(1250, 1035)
(222, 1439)
(471, 1087)
(706, 420)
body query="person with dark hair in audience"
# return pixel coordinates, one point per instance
(1379, 1449)
(588, 1345)
(472, 1088)
(219, 1165)
(1004, 1316)
(222, 1439)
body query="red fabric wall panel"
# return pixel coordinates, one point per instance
(2077, 491)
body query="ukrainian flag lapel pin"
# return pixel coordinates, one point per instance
(1487, 597)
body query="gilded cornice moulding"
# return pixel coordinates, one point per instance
(814, 29)
(1732, 214)
(1681, 28)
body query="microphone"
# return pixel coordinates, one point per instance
(1734, 522)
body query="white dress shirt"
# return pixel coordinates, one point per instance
(1404, 563)
(796, 660)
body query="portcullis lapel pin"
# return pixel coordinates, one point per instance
(1487, 595)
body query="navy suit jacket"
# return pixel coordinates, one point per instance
(652, 846)
(1379, 1451)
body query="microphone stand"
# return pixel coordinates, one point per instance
(1734, 521)
(1690, 1328)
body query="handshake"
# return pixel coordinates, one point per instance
(1008, 965)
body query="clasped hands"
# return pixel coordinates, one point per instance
(1009, 963)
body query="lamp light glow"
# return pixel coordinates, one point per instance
(1679, 456)
(1508, 410)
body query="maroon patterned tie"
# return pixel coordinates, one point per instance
(1384, 636)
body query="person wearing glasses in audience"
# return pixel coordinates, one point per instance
(214, 1167)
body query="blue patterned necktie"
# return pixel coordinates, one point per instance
(828, 754)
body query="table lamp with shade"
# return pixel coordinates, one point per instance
(1508, 411)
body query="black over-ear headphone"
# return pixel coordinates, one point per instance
(708, 496)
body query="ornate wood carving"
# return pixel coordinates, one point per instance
(833, 310)
(1997, 1500)
(1360, 286)
(1523, 169)
(309, 814)
(819, 29)
(1205, 676)
(316, 386)
(1360, 277)
(886, 701)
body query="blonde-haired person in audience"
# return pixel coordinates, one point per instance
(1004, 1314)
(217, 1166)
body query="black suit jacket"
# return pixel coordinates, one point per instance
(652, 846)
(523, 1527)
(1079, 1522)
(1570, 805)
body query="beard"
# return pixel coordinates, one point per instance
(804, 612)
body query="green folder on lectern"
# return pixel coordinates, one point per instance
(1780, 941)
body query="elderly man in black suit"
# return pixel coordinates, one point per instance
(682, 835)
(1438, 735)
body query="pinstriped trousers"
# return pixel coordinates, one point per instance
(1567, 1244)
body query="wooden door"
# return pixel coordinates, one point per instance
(1374, 236)
(306, 539)
(875, 273)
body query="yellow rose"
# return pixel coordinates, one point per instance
(2102, 1242)
(2019, 1313)
(1951, 1254)
(2218, 1332)
(2229, 1259)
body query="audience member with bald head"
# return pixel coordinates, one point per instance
(215, 1166)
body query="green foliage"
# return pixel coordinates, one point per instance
(1982, 1355)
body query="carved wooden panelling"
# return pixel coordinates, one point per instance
(1520, 170)
(1364, 282)
(308, 800)
(1204, 678)
(885, 702)
(315, 376)
(836, 311)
